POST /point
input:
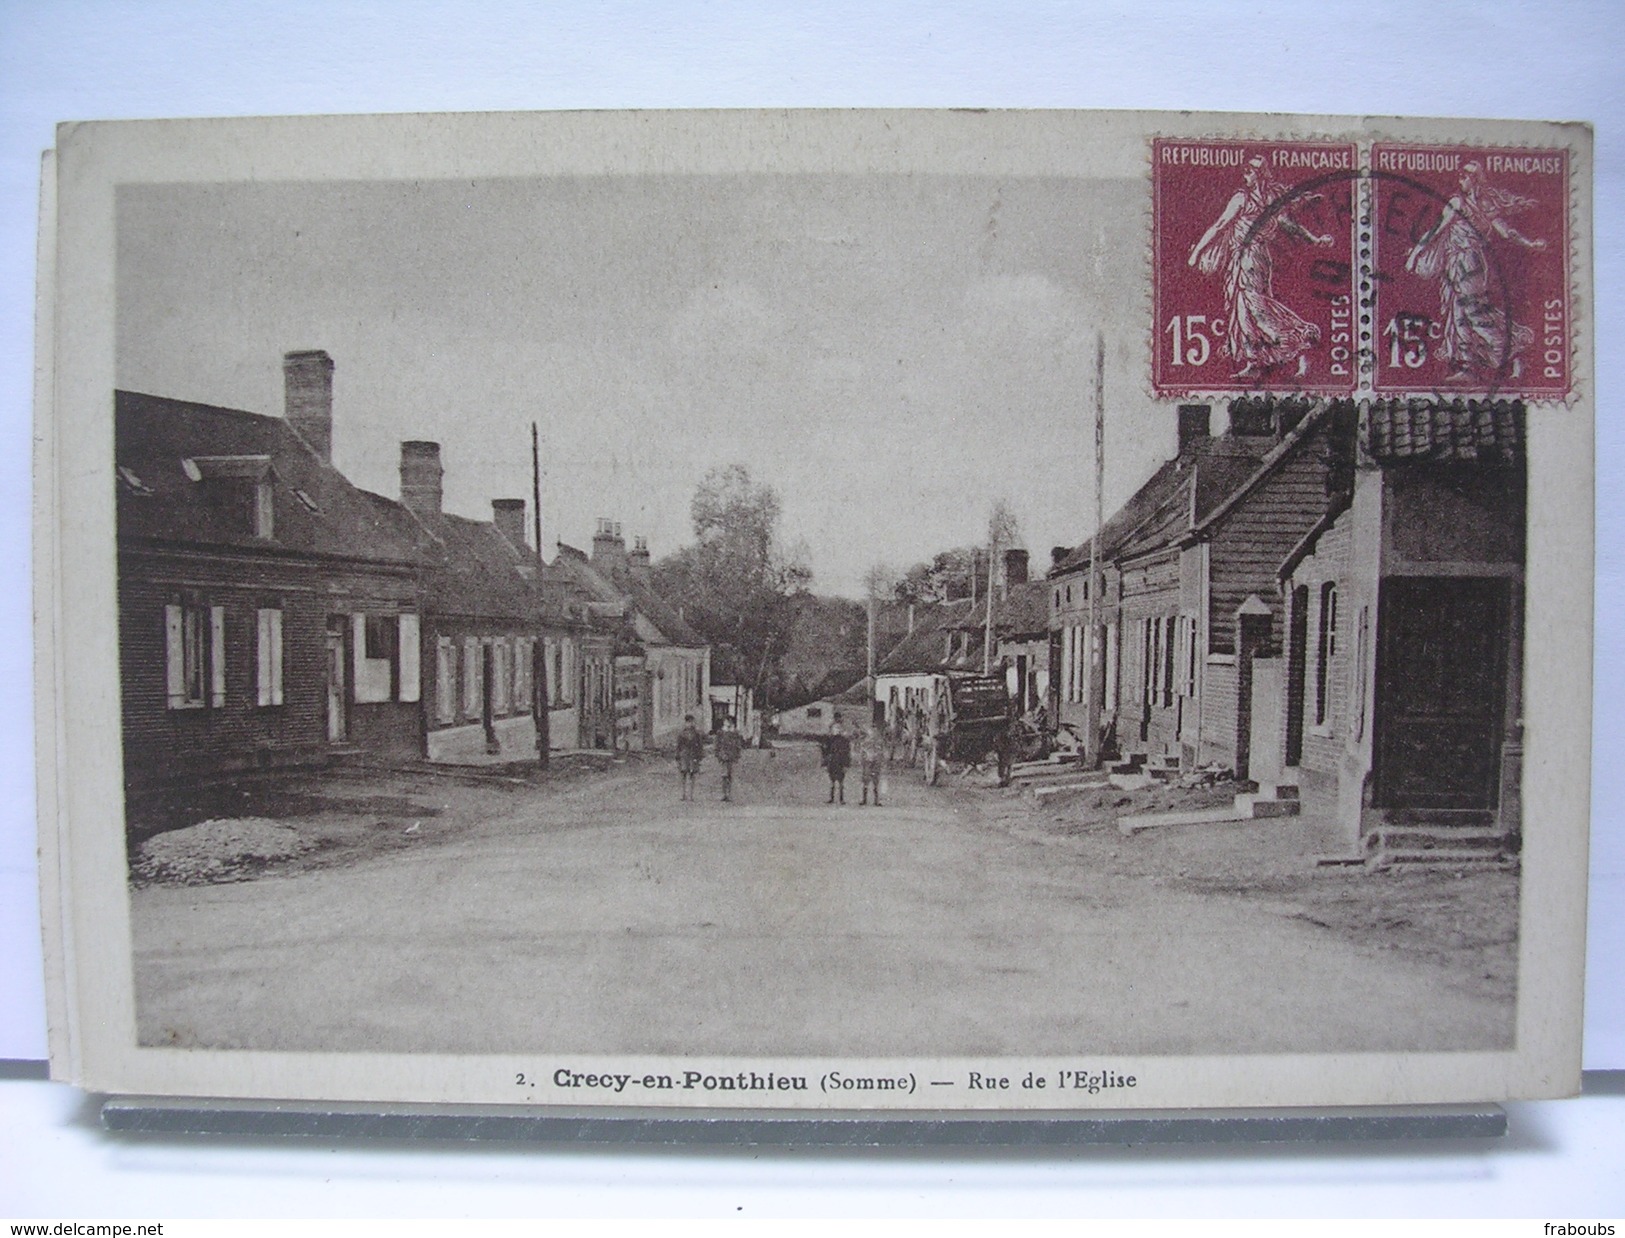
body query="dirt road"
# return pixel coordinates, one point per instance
(608, 917)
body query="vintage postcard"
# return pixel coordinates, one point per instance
(899, 611)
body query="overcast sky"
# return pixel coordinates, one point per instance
(891, 353)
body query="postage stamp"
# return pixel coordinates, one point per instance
(1253, 266)
(1470, 274)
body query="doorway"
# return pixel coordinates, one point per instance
(1441, 684)
(338, 684)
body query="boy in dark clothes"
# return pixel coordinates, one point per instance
(837, 756)
(690, 750)
(729, 746)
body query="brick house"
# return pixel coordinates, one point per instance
(662, 668)
(269, 610)
(488, 622)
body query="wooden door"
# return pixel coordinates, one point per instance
(338, 696)
(1441, 682)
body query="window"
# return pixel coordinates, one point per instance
(1191, 658)
(376, 638)
(194, 654)
(1326, 650)
(381, 636)
(268, 656)
(814, 712)
(1148, 651)
(239, 490)
(132, 482)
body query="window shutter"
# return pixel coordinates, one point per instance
(174, 657)
(217, 656)
(262, 657)
(411, 657)
(268, 660)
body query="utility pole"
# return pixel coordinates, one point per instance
(541, 699)
(869, 677)
(987, 619)
(1096, 684)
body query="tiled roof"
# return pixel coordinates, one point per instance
(1024, 610)
(634, 595)
(477, 571)
(925, 648)
(667, 618)
(316, 510)
(1462, 430)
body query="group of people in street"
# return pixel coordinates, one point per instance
(837, 759)
(691, 751)
(836, 755)
(874, 748)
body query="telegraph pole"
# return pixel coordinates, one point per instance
(987, 618)
(1096, 686)
(540, 698)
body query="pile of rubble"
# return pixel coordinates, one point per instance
(233, 849)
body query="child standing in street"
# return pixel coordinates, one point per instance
(872, 760)
(837, 756)
(690, 751)
(729, 746)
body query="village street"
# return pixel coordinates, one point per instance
(603, 915)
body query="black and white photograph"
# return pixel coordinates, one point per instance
(699, 610)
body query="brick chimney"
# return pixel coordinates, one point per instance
(1195, 427)
(609, 549)
(307, 386)
(509, 517)
(420, 477)
(1015, 568)
(637, 558)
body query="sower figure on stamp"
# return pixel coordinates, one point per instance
(871, 762)
(1262, 332)
(729, 747)
(690, 751)
(1478, 336)
(837, 757)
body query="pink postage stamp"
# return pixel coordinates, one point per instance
(1253, 266)
(1470, 288)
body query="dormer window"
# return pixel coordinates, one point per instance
(239, 489)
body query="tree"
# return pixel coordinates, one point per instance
(1003, 533)
(736, 583)
(944, 577)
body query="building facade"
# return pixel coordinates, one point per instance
(1403, 666)
(269, 611)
